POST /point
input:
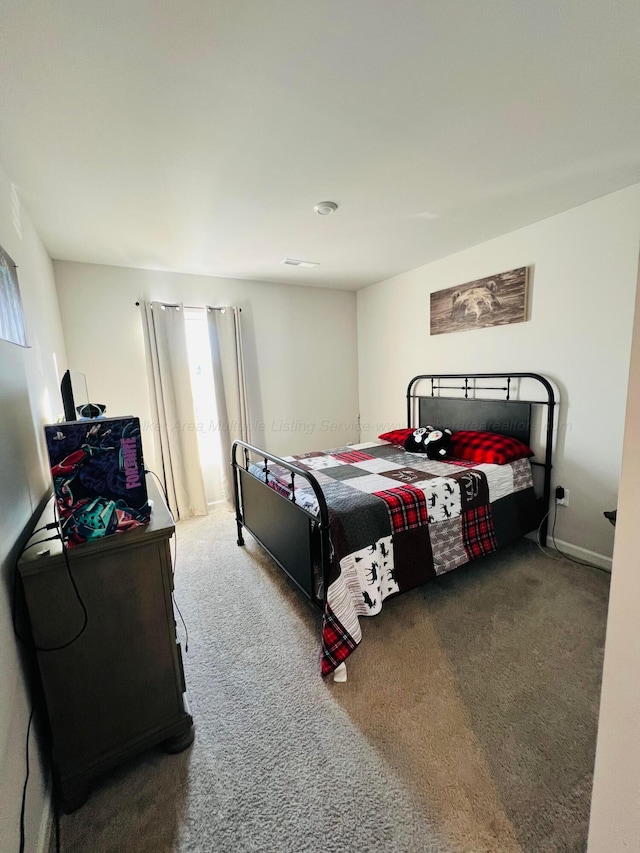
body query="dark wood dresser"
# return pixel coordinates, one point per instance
(119, 689)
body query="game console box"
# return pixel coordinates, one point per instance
(98, 477)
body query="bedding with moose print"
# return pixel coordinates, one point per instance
(399, 519)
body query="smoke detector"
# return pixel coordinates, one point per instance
(324, 208)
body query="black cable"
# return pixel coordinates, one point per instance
(51, 526)
(566, 556)
(24, 787)
(175, 555)
(39, 542)
(85, 615)
(14, 592)
(175, 561)
(539, 543)
(186, 630)
(162, 489)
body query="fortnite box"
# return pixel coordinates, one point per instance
(98, 477)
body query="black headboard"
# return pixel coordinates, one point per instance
(512, 417)
(484, 402)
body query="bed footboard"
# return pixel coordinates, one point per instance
(295, 538)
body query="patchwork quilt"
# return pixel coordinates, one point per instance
(397, 520)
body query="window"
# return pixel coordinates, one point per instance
(204, 402)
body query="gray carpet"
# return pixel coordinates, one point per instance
(467, 725)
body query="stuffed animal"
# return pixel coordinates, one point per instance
(433, 441)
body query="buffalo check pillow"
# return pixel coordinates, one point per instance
(396, 436)
(488, 447)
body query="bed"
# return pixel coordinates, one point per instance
(353, 526)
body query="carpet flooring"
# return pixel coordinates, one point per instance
(467, 725)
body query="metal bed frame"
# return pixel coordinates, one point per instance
(298, 540)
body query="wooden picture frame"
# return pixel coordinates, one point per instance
(496, 300)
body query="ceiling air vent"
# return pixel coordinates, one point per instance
(292, 262)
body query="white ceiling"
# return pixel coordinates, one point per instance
(198, 135)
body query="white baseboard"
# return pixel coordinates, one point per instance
(584, 554)
(46, 822)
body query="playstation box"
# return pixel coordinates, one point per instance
(98, 477)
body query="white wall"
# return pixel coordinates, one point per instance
(582, 292)
(299, 342)
(615, 810)
(29, 397)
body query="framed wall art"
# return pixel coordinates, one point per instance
(11, 314)
(496, 300)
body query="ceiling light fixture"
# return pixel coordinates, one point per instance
(292, 262)
(324, 208)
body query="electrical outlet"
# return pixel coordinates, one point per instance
(564, 500)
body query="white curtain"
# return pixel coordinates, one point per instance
(172, 409)
(225, 338)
